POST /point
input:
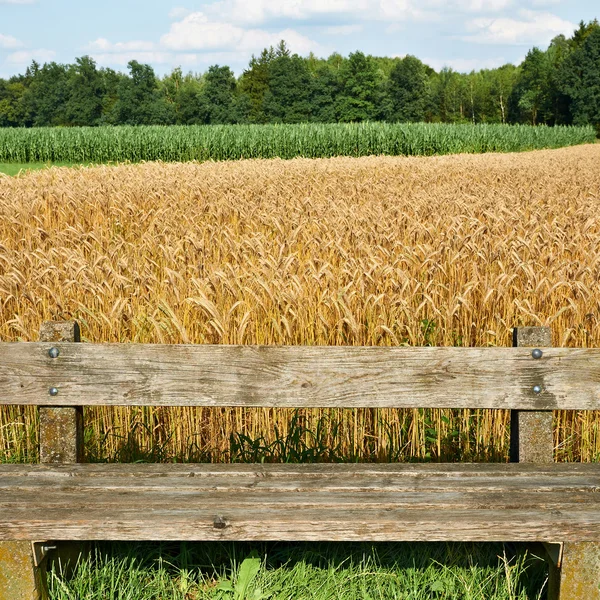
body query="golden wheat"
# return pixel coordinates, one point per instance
(370, 251)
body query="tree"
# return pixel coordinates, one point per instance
(112, 82)
(216, 99)
(12, 111)
(288, 98)
(325, 90)
(85, 93)
(254, 83)
(360, 95)
(502, 82)
(449, 96)
(532, 99)
(557, 53)
(407, 91)
(139, 102)
(44, 99)
(183, 94)
(582, 32)
(580, 76)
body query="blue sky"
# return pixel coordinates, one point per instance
(463, 34)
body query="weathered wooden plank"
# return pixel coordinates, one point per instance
(305, 470)
(299, 376)
(252, 522)
(482, 502)
(386, 477)
(177, 501)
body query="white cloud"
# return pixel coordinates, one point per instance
(161, 58)
(18, 1)
(259, 12)
(179, 12)
(24, 57)
(197, 32)
(532, 28)
(542, 3)
(488, 6)
(256, 12)
(343, 29)
(103, 45)
(9, 42)
(465, 65)
(402, 10)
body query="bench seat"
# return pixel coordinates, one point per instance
(362, 502)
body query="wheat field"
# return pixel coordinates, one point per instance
(451, 250)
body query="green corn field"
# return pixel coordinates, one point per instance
(232, 142)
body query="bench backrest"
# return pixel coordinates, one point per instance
(59, 372)
(71, 374)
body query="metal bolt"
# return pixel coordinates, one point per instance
(537, 353)
(53, 352)
(537, 389)
(46, 548)
(53, 391)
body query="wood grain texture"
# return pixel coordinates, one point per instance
(476, 502)
(299, 376)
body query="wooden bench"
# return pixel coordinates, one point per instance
(533, 500)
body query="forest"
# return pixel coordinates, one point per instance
(556, 86)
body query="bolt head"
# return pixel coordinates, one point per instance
(53, 352)
(537, 353)
(537, 389)
(53, 391)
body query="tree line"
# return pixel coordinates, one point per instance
(559, 85)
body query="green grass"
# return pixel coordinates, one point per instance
(16, 168)
(325, 571)
(230, 142)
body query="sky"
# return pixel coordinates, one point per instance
(462, 34)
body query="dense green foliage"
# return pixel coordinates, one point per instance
(559, 85)
(230, 142)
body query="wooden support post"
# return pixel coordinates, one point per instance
(22, 574)
(61, 436)
(578, 577)
(61, 428)
(531, 432)
(20, 579)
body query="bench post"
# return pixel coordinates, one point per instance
(574, 567)
(23, 564)
(531, 431)
(61, 428)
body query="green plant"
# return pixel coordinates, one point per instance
(240, 587)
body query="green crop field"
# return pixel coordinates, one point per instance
(231, 142)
